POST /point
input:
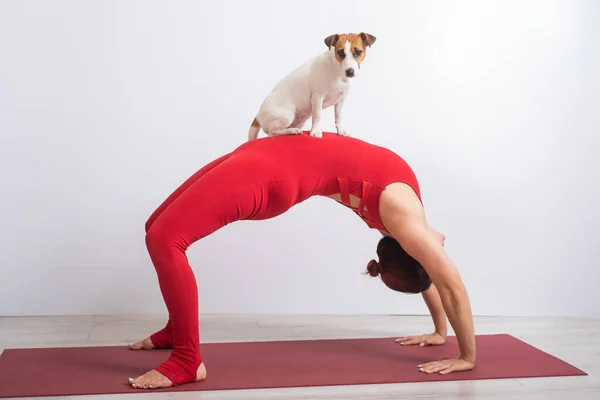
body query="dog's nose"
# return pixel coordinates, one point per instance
(350, 72)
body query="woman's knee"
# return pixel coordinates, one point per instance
(159, 238)
(169, 234)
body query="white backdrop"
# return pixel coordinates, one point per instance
(107, 106)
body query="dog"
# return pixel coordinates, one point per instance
(314, 86)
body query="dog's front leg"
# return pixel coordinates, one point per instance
(338, 117)
(316, 103)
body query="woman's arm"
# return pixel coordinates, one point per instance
(421, 245)
(436, 309)
(438, 315)
(405, 220)
(433, 300)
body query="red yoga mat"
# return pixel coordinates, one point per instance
(252, 365)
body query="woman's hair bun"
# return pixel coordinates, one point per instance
(373, 268)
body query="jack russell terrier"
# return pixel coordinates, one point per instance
(317, 84)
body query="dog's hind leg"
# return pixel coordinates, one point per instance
(299, 121)
(279, 123)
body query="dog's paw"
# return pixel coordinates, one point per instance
(317, 133)
(342, 132)
(295, 131)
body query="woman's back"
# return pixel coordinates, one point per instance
(290, 169)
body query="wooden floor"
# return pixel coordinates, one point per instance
(574, 340)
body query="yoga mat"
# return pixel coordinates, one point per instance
(279, 364)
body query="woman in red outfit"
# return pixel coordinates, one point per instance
(264, 178)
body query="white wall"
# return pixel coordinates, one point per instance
(107, 106)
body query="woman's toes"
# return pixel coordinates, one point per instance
(145, 344)
(154, 385)
(138, 382)
(137, 346)
(150, 380)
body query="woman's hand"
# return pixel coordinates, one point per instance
(432, 339)
(446, 366)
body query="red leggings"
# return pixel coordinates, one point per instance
(178, 284)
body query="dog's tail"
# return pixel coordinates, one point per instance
(254, 129)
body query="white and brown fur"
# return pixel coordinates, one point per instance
(317, 84)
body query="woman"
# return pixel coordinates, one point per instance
(262, 179)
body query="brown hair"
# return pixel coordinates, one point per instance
(398, 270)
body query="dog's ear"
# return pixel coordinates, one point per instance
(368, 39)
(331, 40)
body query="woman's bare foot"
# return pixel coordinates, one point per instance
(145, 344)
(155, 380)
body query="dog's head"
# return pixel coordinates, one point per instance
(349, 49)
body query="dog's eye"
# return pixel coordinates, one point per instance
(357, 52)
(341, 53)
